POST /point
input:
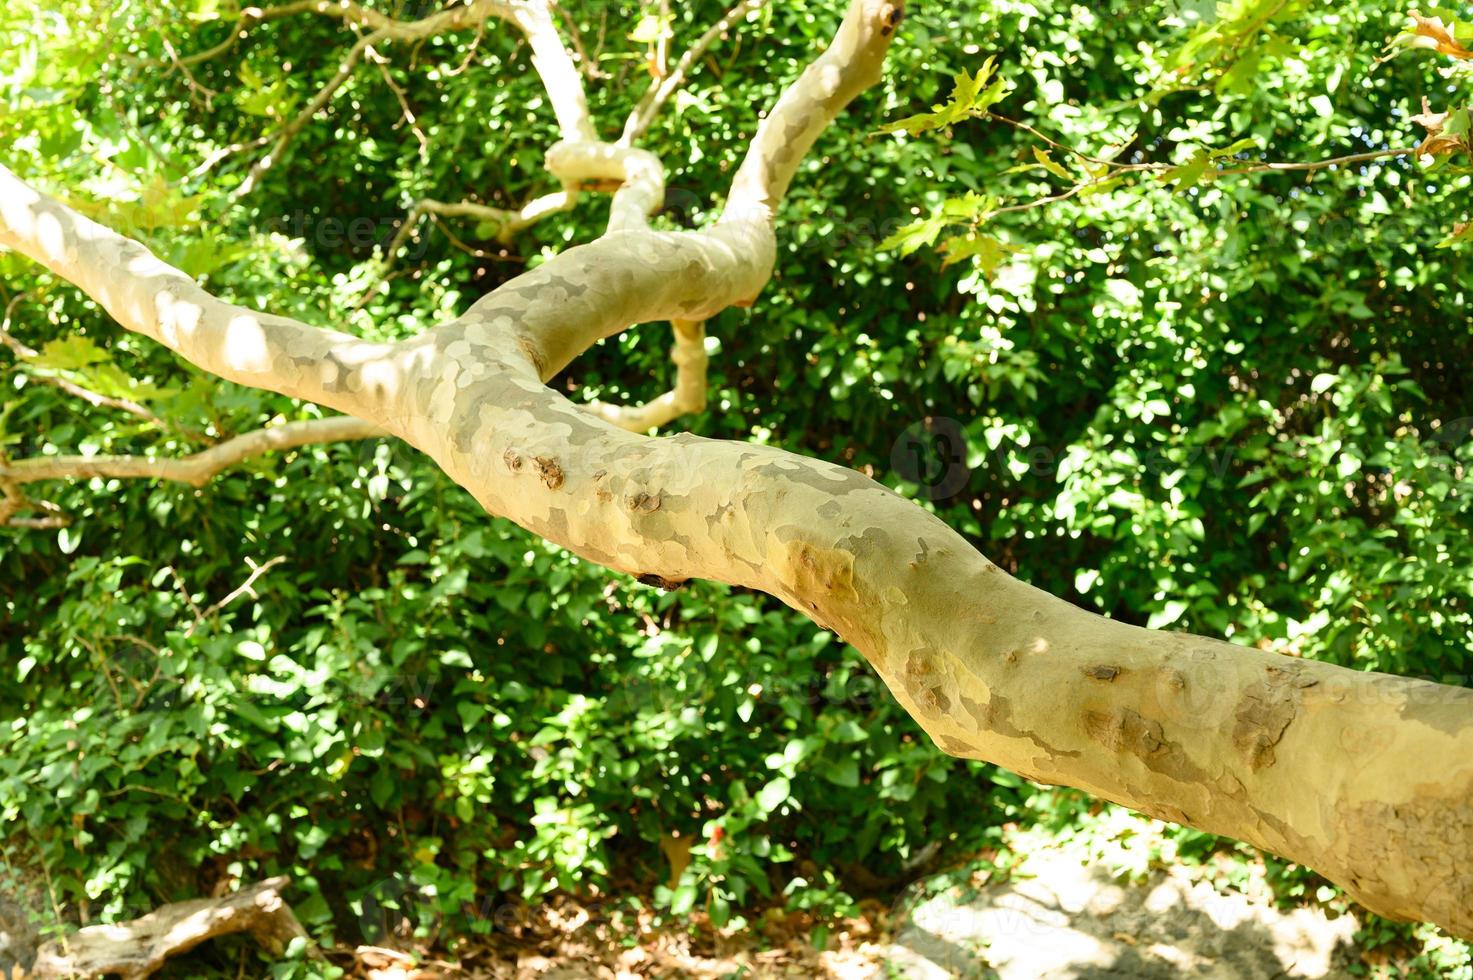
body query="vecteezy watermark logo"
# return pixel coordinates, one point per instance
(361, 232)
(932, 454)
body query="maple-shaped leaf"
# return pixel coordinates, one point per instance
(912, 236)
(970, 95)
(986, 250)
(68, 354)
(1188, 174)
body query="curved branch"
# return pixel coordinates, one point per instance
(195, 470)
(533, 18)
(507, 222)
(150, 297)
(1365, 777)
(13, 500)
(852, 63)
(687, 397)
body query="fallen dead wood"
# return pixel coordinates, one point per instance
(138, 948)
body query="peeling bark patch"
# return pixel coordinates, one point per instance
(1128, 732)
(996, 718)
(512, 459)
(919, 680)
(1123, 730)
(1441, 866)
(646, 502)
(820, 573)
(1443, 707)
(828, 477)
(1102, 672)
(549, 470)
(1265, 713)
(533, 352)
(956, 747)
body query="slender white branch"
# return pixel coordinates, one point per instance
(686, 397)
(245, 588)
(508, 222)
(195, 470)
(852, 63)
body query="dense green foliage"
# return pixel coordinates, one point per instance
(1231, 405)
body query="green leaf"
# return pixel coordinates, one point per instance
(1188, 174)
(1048, 163)
(68, 354)
(773, 795)
(988, 252)
(912, 236)
(683, 899)
(844, 773)
(971, 95)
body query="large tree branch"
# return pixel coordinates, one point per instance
(1365, 777)
(150, 297)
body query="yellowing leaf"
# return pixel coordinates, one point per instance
(1462, 235)
(1048, 163)
(971, 95)
(1434, 33)
(68, 354)
(986, 250)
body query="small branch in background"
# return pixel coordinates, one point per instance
(470, 52)
(245, 588)
(195, 470)
(508, 222)
(299, 122)
(686, 397)
(590, 68)
(198, 93)
(184, 591)
(381, 63)
(661, 89)
(13, 500)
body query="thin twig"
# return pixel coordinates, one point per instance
(245, 587)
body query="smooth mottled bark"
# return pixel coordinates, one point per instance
(1364, 777)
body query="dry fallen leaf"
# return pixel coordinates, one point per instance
(1441, 37)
